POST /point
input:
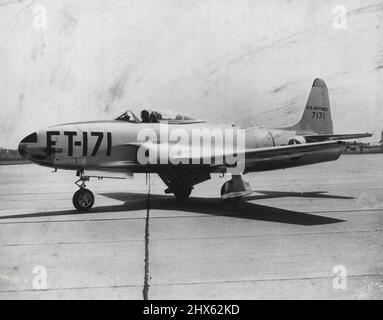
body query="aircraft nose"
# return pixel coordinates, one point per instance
(23, 145)
(22, 150)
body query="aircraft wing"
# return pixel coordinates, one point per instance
(187, 155)
(290, 151)
(332, 137)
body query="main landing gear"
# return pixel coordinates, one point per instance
(182, 194)
(234, 189)
(180, 185)
(83, 199)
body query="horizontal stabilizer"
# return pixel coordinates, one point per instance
(332, 137)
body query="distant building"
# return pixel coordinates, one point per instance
(8, 154)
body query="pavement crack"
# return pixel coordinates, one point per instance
(145, 291)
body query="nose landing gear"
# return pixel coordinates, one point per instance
(83, 199)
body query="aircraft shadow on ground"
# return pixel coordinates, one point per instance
(209, 206)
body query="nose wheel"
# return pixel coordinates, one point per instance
(83, 199)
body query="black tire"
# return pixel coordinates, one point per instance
(183, 194)
(83, 199)
(229, 200)
(223, 187)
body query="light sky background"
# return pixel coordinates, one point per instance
(244, 62)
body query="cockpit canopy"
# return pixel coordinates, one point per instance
(128, 116)
(151, 116)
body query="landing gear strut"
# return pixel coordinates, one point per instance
(83, 199)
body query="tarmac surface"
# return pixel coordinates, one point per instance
(287, 241)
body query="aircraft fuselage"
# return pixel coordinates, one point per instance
(109, 145)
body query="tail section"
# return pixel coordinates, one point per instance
(317, 115)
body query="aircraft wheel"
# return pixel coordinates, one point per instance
(227, 186)
(83, 199)
(183, 194)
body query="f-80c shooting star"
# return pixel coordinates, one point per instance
(162, 144)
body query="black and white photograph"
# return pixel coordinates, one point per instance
(191, 150)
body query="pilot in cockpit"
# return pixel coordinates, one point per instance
(145, 116)
(153, 117)
(158, 115)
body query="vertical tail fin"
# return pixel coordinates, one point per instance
(317, 114)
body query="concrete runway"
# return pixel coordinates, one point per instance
(282, 243)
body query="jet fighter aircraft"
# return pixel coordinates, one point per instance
(130, 144)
